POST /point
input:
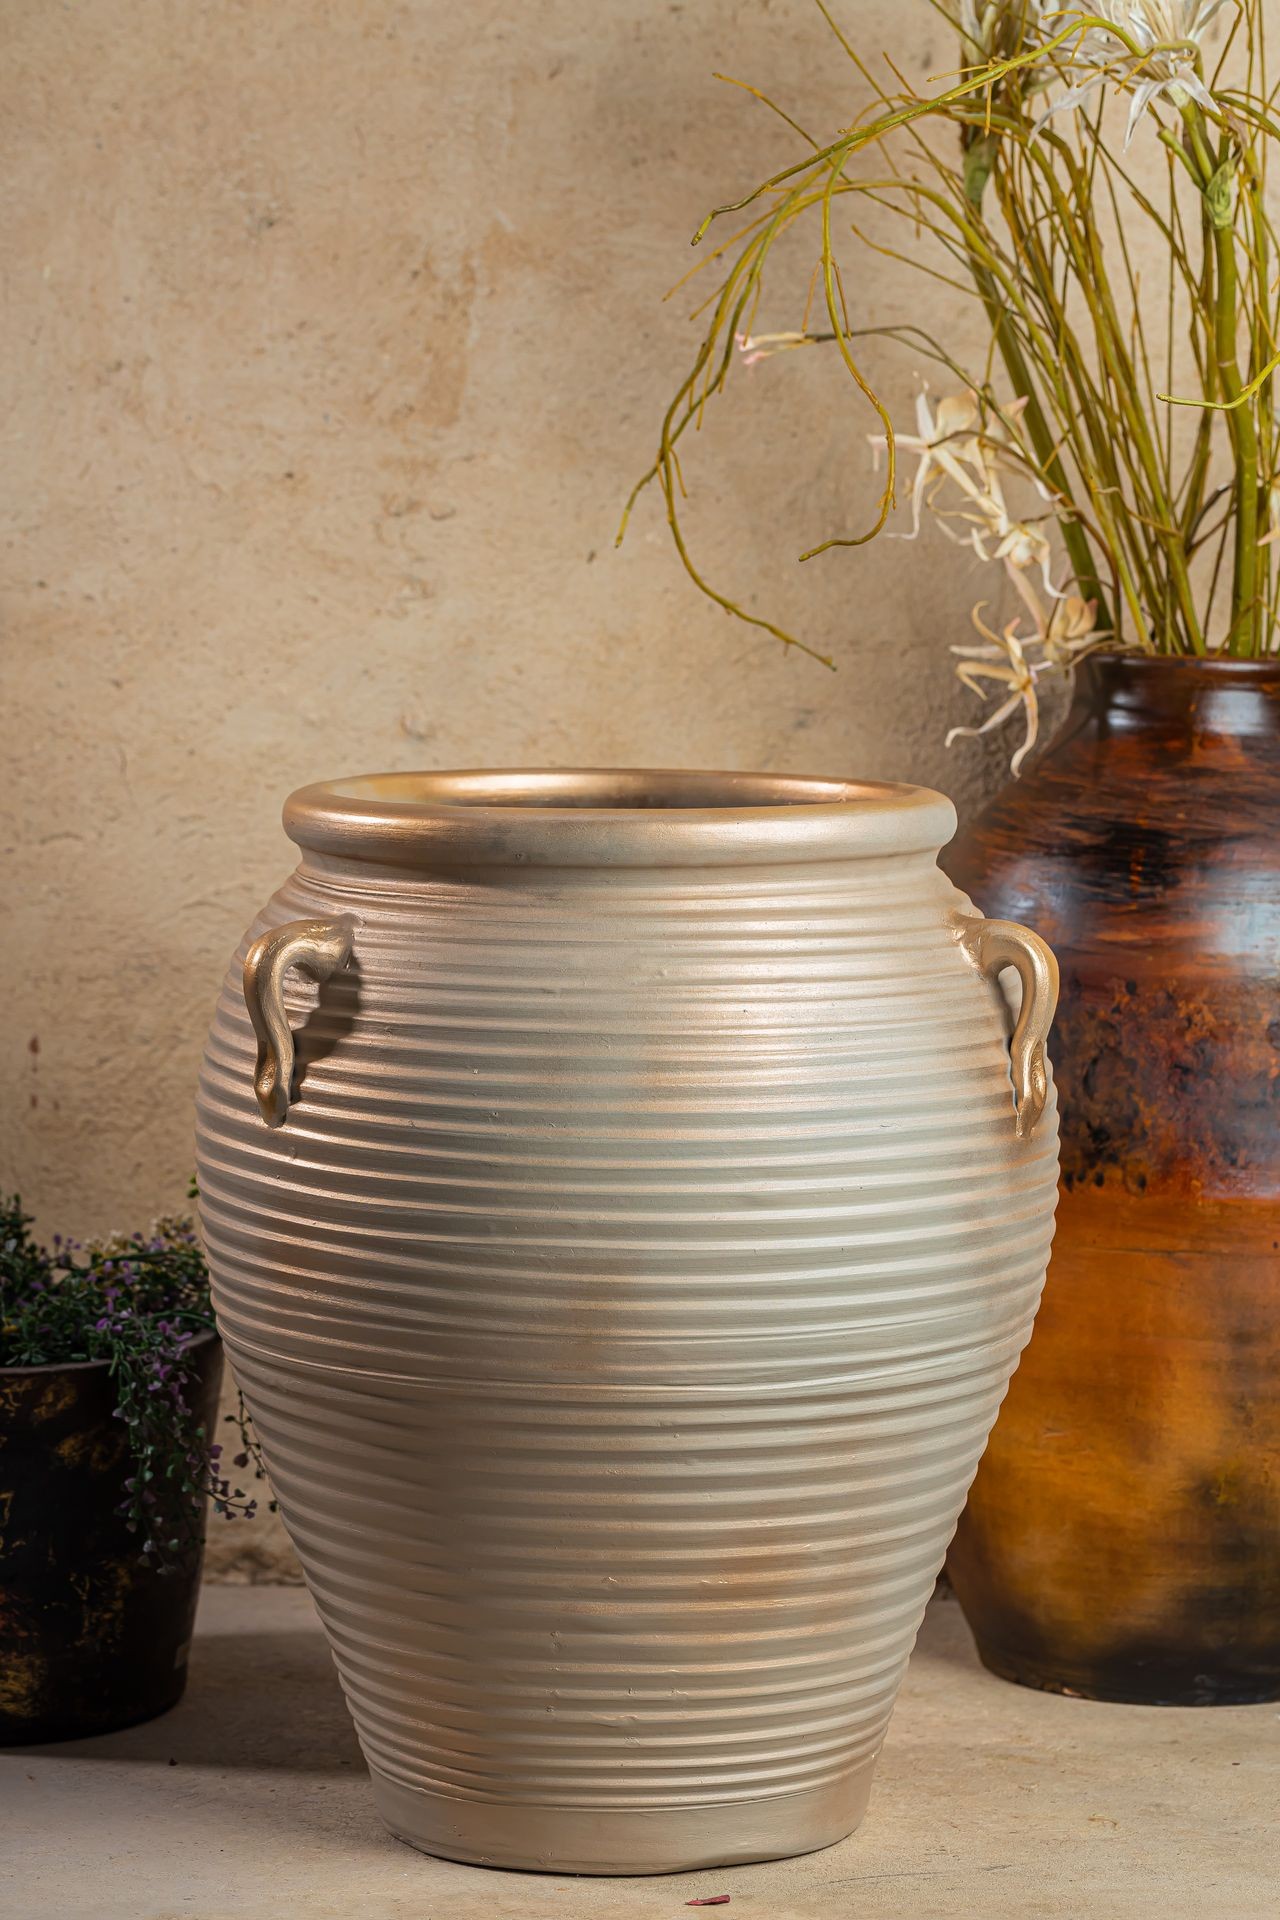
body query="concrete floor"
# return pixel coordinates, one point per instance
(250, 1800)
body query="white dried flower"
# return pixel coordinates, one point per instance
(1004, 662)
(1064, 632)
(947, 443)
(1168, 34)
(762, 346)
(1021, 544)
(997, 29)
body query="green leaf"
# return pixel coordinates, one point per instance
(979, 159)
(1220, 195)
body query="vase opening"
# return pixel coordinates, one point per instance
(627, 816)
(613, 789)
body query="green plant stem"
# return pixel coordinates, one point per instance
(1066, 325)
(1240, 424)
(1264, 347)
(1244, 439)
(1074, 537)
(1137, 588)
(1091, 269)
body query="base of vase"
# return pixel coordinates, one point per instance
(604, 1840)
(1136, 1686)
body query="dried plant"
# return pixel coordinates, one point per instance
(1068, 458)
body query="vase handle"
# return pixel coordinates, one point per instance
(318, 947)
(993, 945)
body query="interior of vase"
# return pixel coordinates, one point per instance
(623, 789)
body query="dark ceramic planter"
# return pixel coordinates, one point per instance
(90, 1637)
(1122, 1539)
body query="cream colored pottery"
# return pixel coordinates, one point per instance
(624, 1279)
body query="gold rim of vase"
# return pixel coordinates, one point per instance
(662, 817)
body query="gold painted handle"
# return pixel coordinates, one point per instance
(993, 945)
(318, 947)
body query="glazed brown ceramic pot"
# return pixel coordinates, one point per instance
(1122, 1540)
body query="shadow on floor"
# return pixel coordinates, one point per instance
(254, 1700)
(949, 1640)
(268, 1699)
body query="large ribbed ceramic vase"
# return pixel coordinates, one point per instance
(627, 1203)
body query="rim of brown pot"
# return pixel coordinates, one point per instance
(88, 1366)
(1198, 691)
(1209, 668)
(613, 817)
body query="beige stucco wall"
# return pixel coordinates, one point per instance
(334, 339)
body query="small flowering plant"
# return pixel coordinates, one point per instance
(1113, 450)
(137, 1302)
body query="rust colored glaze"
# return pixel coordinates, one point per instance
(1122, 1539)
(90, 1637)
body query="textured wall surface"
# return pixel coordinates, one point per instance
(334, 339)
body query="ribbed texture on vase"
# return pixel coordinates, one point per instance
(546, 1597)
(624, 1308)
